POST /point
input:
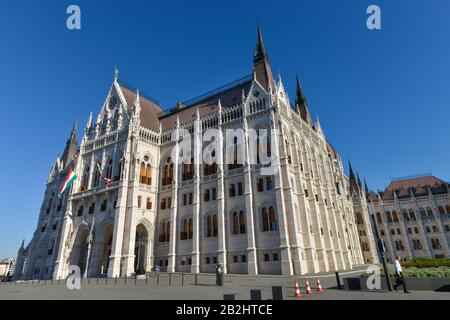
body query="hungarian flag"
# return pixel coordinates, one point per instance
(105, 180)
(67, 182)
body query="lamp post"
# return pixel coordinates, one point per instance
(381, 250)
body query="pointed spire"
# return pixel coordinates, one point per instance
(259, 50)
(300, 98)
(352, 175)
(359, 180)
(301, 103)
(73, 133)
(137, 101)
(219, 105)
(262, 71)
(116, 73)
(366, 188)
(71, 146)
(89, 122)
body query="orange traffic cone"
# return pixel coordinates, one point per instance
(297, 290)
(319, 286)
(308, 288)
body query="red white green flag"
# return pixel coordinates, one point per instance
(67, 182)
(105, 180)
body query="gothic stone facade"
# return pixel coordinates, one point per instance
(187, 217)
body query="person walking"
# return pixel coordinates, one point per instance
(217, 274)
(157, 269)
(220, 275)
(399, 278)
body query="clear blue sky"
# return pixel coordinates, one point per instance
(382, 96)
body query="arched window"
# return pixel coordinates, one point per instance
(184, 231)
(119, 171)
(441, 210)
(395, 216)
(148, 174)
(272, 219)
(96, 178)
(162, 232)
(405, 215)
(423, 214)
(412, 215)
(235, 223)
(389, 217)
(190, 233)
(142, 173)
(115, 120)
(379, 218)
(241, 222)
(211, 222)
(447, 208)
(209, 169)
(85, 183)
(263, 139)
(188, 170)
(236, 157)
(215, 227)
(109, 167)
(168, 172)
(359, 219)
(430, 214)
(265, 219)
(168, 231)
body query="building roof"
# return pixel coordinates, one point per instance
(207, 104)
(149, 109)
(417, 185)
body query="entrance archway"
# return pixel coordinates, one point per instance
(79, 251)
(102, 249)
(140, 249)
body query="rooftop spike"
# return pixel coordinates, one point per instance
(352, 175)
(259, 50)
(366, 188)
(116, 73)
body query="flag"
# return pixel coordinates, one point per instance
(67, 182)
(105, 180)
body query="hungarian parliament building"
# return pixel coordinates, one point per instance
(136, 201)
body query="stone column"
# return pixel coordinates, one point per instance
(174, 210)
(195, 267)
(252, 259)
(221, 206)
(279, 176)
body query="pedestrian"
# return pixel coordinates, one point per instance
(399, 278)
(157, 268)
(217, 274)
(220, 275)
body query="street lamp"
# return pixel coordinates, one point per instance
(382, 250)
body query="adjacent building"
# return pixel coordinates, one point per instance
(413, 217)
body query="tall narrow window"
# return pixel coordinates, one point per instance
(215, 227)
(273, 220)
(241, 222)
(148, 174)
(191, 233)
(235, 223)
(142, 173)
(265, 219)
(209, 223)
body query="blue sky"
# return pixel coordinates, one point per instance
(382, 96)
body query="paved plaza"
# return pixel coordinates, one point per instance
(182, 287)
